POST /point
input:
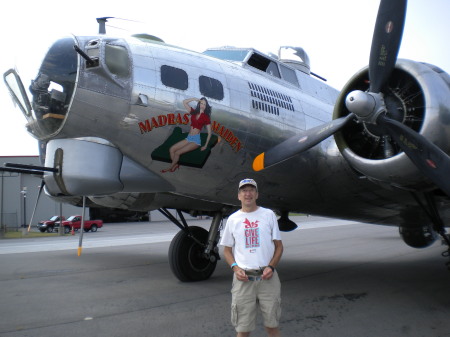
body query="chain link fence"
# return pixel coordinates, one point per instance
(9, 222)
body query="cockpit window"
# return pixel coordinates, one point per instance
(228, 55)
(117, 60)
(264, 64)
(289, 74)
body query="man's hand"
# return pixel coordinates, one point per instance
(240, 274)
(267, 273)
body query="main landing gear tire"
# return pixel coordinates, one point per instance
(186, 257)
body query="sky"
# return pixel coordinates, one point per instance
(335, 34)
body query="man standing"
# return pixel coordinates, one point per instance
(253, 248)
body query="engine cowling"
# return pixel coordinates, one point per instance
(417, 95)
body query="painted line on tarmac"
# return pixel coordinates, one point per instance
(69, 243)
(45, 246)
(325, 223)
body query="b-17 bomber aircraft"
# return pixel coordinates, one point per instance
(112, 116)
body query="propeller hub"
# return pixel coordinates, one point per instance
(367, 106)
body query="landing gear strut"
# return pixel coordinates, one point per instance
(193, 252)
(438, 224)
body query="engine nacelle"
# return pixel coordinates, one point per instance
(417, 95)
(418, 236)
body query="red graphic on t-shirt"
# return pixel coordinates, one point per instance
(251, 234)
(249, 224)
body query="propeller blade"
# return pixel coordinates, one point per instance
(429, 159)
(386, 40)
(299, 143)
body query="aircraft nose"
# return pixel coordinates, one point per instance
(53, 88)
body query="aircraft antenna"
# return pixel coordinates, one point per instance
(103, 20)
(102, 24)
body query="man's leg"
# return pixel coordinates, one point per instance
(243, 307)
(243, 334)
(269, 296)
(272, 332)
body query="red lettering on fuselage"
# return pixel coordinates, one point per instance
(163, 120)
(184, 119)
(145, 126)
(227, 135)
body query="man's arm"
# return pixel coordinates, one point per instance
(229, 257)
(228, 253)
(268, 273)
(277, 254)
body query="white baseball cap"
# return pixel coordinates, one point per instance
(247, 181)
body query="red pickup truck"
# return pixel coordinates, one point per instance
(48, 225)
(74, 222)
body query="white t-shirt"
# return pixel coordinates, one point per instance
(251, 236)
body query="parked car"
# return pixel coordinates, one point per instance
(74, 222)
(48, 225)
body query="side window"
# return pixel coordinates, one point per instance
(174, 77)
(211, 87)
(117, 60)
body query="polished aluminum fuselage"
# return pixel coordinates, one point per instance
(130, 114)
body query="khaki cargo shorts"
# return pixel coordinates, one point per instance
(247, 296)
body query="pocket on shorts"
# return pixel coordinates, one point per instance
(273, 320)
(278, 309)
(234, 315)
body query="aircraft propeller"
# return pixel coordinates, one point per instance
(299, 143)
(386, 41)
(370, 108)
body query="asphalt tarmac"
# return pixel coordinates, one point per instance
(339, 278)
